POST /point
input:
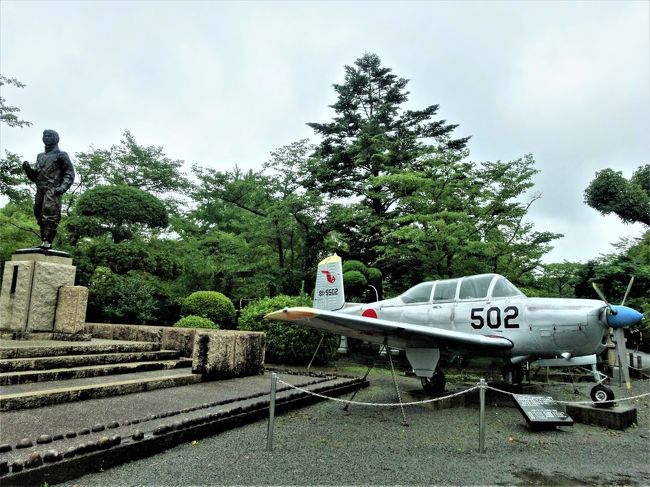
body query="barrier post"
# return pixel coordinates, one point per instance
(269, 433)
(481, 417)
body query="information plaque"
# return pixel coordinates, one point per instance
(542, 412)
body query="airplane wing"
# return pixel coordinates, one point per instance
(408, 335)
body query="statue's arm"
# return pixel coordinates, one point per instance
(29, 171)
(68, 173)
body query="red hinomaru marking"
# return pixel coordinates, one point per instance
(369, 313)
(330, 278)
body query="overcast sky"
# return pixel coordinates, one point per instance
(225, 83)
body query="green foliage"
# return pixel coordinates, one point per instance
(610, 192)
(212, 305)
(121, 210)
(271, 214)
(131, 164)
(373, 275)
(7, 112)
(115, 298)
(371, 139)
(287, 344)
(612, 273)
(18, 229)
(193, 321)
(355, 284)
(355, 265)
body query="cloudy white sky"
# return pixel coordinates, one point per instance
(224, 83)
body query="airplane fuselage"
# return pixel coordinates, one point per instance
(537, 327)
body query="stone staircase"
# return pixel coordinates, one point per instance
(39, 373)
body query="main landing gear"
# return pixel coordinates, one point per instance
(512, 373)
(434, 386)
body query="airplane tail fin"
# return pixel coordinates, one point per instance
(329, 293)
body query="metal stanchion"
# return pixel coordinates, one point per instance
(269, 433)
(481, 417)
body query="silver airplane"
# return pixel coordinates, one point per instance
(475, 315)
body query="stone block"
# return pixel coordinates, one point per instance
(15, 295)
(48, 278)
(71, 309)
(226, 354)
(181, 339)
(100, 330)
(618, 417)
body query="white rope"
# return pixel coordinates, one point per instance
(436, 399)
(578, 402)
(358, 403)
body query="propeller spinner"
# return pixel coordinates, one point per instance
(619, 317)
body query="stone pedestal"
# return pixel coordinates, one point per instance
(30, 290)
(225, 354)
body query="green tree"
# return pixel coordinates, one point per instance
(7, 112)
(372, 139)
(270, 212)
(611, 192)
(132, 164)
(458, 218)
(12, 177)
(122, 211)
(612, 273)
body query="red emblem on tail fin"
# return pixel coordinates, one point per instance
(330, 278)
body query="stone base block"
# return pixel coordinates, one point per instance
(181, 339)
(618, 417)
(70, 314)
(226, 354)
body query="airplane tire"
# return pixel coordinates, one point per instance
(600, 393)
(512, 374)
(435, 386)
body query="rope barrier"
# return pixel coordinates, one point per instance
(359, 403)
(578, 402)
(436, 399)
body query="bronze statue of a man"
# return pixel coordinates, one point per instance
(53, 174)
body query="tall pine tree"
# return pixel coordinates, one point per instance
(371, 139)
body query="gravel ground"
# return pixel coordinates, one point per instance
(324, 445)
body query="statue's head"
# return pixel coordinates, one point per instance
(50, 137)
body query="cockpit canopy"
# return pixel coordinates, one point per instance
(482, 286)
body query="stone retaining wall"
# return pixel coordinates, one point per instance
(181, 339)
(216, 354)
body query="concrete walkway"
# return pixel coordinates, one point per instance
(59, 442)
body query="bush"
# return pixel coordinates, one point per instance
(373, 275)
(211, 305)
(287, 344)
(355, 265)
(355, 284)
(116, 298)
(193, 321)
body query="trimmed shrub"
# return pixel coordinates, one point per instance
(355, 284)
(373, 275)
(355, 265)
(193, 321)
(287, 344)
(212, 305)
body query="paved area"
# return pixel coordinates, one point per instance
(325, 445)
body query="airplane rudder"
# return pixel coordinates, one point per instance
(329, 293)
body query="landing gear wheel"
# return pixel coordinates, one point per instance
(600, 394)
(512, 374)
(435, 386)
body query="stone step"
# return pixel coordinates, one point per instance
(66, 361)
(11, 349)
(12, 378)
(34, 395)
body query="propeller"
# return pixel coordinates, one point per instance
(618, 318)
